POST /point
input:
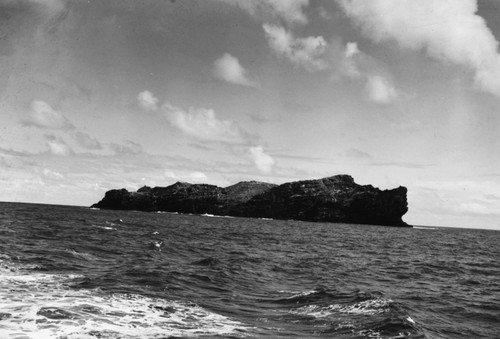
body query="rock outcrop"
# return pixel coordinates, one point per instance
(332, 199)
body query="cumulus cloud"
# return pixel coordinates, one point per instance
(447, 30)
(202, 124)
(147, 100)
(44, 116)
(380, 90)
(315, 54)
(306, 52)
(228, 68)
(263, 161)
(353, 63)
(58, 146)
(291, 11)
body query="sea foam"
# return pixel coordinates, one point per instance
(38, 305)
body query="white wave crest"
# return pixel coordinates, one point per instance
(42, 306)
(367, 307)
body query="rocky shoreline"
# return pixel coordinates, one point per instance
(333, 199)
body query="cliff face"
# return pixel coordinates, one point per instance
(332, 199)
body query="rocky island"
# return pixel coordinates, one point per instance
(332, 199)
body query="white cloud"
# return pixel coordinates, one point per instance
(448, 30)
(228, 68)
(202, 124)
(380, 90)
(315, 54)
(355, 64)
(351, 48)
(147, 100)
(43, 115)
(306, 52)
(291, 11)
(263, 161)
(58, 146)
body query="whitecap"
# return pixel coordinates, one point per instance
(300, 294)
(38, 305)
(108, 228)
(81, 255)
(367, 307)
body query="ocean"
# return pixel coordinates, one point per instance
(74, 272)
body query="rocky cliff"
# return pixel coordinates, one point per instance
(332, 199)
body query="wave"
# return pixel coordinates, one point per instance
(81, 255)
(322, 295)
(215, 215)
(350, 314)
(36, 305)
(367, 307)
(107, 228)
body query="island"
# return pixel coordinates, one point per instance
(336, 199)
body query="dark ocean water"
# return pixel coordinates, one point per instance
(71, 272)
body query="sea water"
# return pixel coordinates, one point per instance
(74, 272)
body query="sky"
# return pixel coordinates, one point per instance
(97, 95)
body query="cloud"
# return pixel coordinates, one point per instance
(263, 161)
(305, 52)
(147, 100)
(86, 141)
(315, 54)
(380, 90)
(448, 30)
(466, 197)
(351, 62)
(58, 146)
(44, 116)
(291, 11)
(202, 124)
(228, 68)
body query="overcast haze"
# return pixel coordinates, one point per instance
(97, 95)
